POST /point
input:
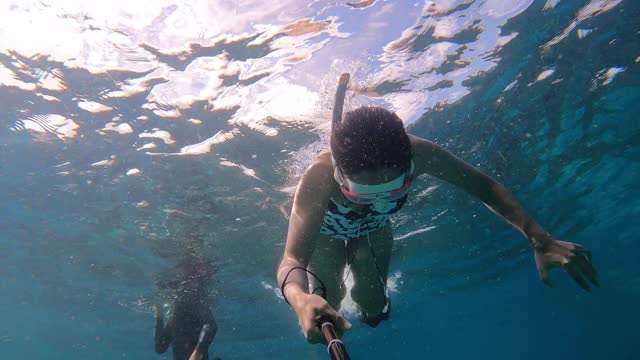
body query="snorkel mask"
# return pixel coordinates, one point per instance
(366, 194)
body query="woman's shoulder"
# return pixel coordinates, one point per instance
(417, 141)
(423, 149)
(423, 152)
(321, 165)
(317, 183)
(319, 174)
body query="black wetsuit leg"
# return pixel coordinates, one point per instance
(207, 334)
(194, 329)
(162, 335)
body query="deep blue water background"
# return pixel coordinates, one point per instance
(78, 273)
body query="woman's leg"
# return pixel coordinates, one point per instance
(328, 262)
(370, 266)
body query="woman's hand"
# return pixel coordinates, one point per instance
(574, 259)
(311, 310)
(156, 312)
(196, 355)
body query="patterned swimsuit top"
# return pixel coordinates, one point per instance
(345, 220)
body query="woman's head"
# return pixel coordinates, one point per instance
(370, 139)
(188, 280)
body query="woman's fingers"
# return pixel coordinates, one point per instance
(543, 270)
(574, 258)
(313, 335)
(544, 276)
(342, 323)
(574, 271)
(314, 332)
(156, 311)
(583, 251)
(586, 266)
(581, 262)
(196, 355)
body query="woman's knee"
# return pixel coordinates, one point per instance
(366, 291)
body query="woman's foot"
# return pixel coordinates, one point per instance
(374, 320)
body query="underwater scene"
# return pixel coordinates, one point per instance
(169, 168)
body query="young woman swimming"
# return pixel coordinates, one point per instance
(344, 200)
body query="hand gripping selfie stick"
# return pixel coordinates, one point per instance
(335, 346)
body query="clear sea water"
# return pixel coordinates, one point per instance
(133, 134)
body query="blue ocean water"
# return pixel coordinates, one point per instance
(135, 135)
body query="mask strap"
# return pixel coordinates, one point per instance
(337, 174)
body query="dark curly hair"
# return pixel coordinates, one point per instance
(370, 138)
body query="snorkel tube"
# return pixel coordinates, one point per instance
(338, 105)
(339, 102)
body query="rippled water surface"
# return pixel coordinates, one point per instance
(133, 134)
